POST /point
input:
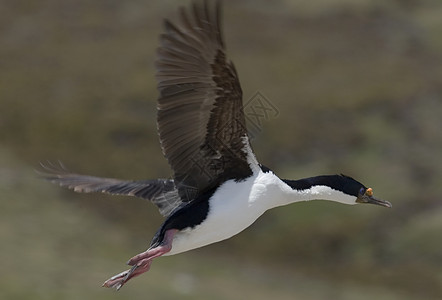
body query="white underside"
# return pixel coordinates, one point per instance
(233, 208)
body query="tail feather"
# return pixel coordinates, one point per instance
(161, 192)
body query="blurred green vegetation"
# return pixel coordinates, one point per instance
(358, 87)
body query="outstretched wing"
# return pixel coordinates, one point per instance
(161, 192)
(201, 121)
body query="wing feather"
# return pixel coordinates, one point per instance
(200, 115)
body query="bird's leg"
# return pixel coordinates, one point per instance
(151, 253)
(141, 262)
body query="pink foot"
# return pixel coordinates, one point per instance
(119, 280)
(141, 262)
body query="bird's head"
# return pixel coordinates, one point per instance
(363, 195)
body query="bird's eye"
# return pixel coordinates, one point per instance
(362, 191)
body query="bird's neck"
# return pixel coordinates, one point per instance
(325, 187)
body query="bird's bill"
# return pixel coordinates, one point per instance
(372, 200)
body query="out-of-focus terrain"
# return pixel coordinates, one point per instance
(355, 86)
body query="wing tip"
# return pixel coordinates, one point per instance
(49, 170)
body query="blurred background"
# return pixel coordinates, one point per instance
(355, 86)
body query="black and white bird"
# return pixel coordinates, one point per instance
(219, 188)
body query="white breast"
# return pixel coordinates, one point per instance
(233, 208)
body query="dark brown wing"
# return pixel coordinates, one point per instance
(161, 192)
(200, 115)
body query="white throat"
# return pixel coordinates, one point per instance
(276, 192)
(320, 192)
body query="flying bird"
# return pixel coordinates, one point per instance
(218, 188)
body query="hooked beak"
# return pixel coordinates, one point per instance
(372, 200)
